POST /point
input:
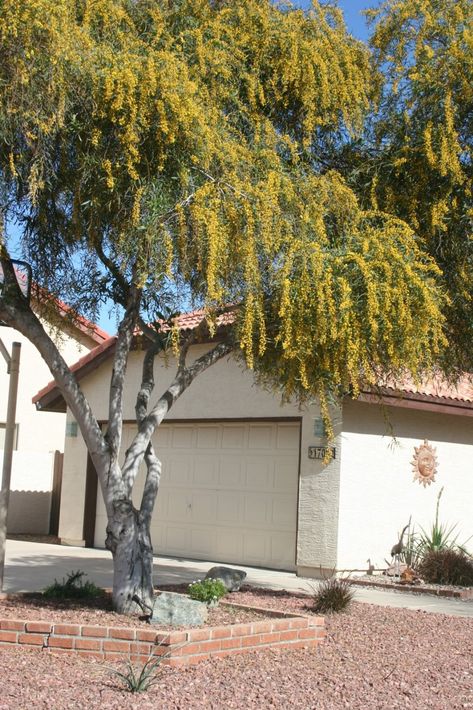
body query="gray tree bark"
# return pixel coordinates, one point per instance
(128, 528)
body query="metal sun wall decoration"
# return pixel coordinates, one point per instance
(424, 463)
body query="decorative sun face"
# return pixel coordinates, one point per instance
(424, 463)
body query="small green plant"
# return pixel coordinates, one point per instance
(447, 567)
(410, 554)
(139, 680)
(207, 590)
(333, 595)
(73, 588)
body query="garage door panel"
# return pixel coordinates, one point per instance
(259, 473)
(255, 547)
(202, 506)
(208, 438)
(287, 437)
(261, 436)
(283, 475)
(202, 542)
(178, 507)
(205, 471)
(228, 546)
(230, 474)
(176, 539)
(177, 471)
(162, 438)
(233, 437)
(281, 551)
(256, 511)
(228, 492)
(228, 508)
(183, 437)
(283, 515)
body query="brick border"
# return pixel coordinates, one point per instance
(437, 591)
(179, 648)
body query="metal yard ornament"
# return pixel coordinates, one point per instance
(424, 463)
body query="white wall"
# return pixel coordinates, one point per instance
(225, 391)
(30, 492)
(38, 431)
(377, 491)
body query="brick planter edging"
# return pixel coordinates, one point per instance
(417, 589)
(178, 648)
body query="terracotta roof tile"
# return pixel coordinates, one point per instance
(434, 390)
(436, 387)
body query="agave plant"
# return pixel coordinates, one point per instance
(440, 536)
(139, 680)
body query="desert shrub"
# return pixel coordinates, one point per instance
(333, 595)
(207, 590)
(73, 588)
(447, 566)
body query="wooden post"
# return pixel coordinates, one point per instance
(14, 370)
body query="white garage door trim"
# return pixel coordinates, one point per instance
(229, 491)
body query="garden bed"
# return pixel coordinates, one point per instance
(96, 631)
(439, 590)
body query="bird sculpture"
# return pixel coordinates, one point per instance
(397, 549)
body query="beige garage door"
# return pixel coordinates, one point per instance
(228, 492)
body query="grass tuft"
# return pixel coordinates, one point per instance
(139, 680)
(332, 596)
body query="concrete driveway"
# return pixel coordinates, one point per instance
(31, 566)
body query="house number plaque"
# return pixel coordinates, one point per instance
(320, 452)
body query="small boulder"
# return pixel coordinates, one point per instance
(178, 610)
(231, 578)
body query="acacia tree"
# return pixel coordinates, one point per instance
(165, 155)
(417, 159)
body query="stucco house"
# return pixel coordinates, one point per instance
(39, 440)
(244, 480)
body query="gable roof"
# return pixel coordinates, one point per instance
(435, 395)
(38, 293)
(83, 324)
(50, 399)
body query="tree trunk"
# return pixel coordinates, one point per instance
(129, 540)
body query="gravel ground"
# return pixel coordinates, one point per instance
(374, 658)
(99, 612)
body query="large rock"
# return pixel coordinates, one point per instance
(231, 578)
(178, 610)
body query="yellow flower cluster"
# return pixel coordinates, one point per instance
(184, 128)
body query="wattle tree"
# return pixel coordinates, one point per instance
(166, 156)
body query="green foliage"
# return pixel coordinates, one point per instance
(411, 552)
(207, 590)
(447, 566)
(175, 147)
(73, 588)
(417, 161)
(332, 596)
(139, 680)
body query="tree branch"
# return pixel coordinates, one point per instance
(17, 313)
(183, 379)
(122, 349)
(153, 465)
